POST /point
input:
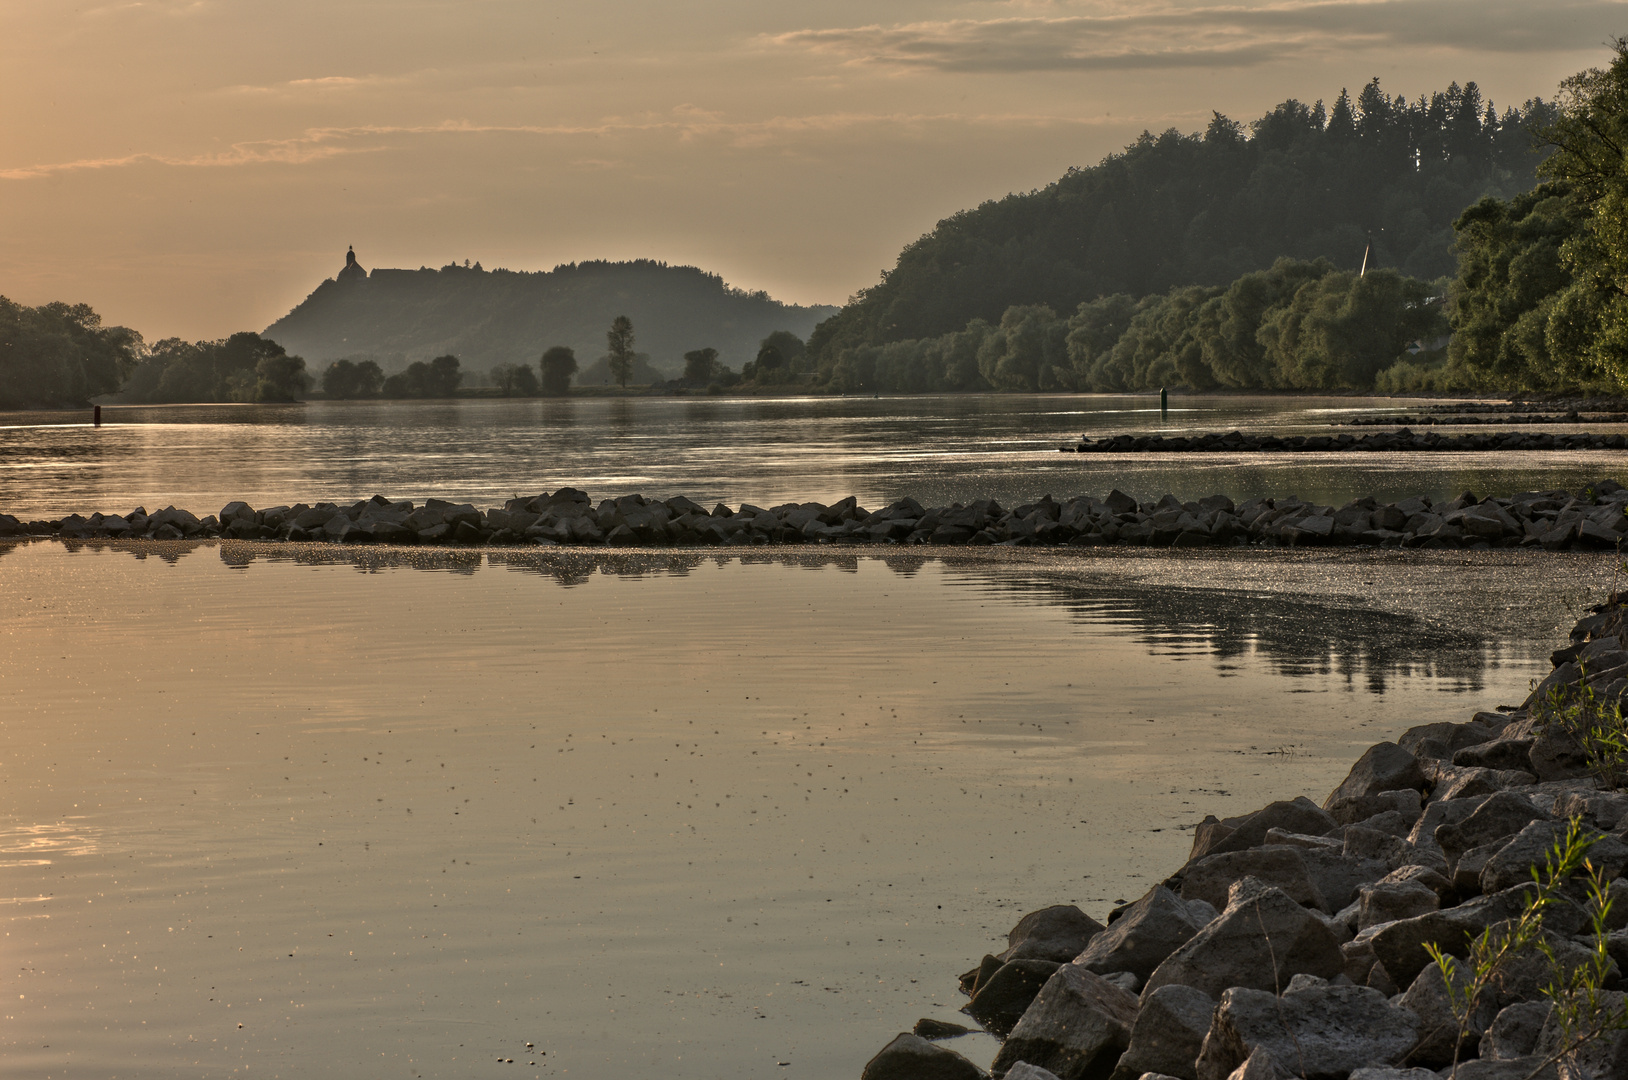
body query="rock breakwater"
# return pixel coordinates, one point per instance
(1593, 518)
(1390, 441)
(1293, 942)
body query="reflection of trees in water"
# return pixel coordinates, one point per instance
(1296, 635)
(1299, 637)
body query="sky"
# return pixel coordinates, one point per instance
(196, 167)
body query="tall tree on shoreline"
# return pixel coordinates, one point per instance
(620, 342)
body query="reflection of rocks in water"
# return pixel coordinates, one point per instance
(1297, 636)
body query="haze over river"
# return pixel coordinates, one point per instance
(291, 810)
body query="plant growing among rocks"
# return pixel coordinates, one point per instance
(1584, 1012)
(1596, 724)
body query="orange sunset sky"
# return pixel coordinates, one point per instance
(195, 167)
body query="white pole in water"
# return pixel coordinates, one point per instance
(1364, 271)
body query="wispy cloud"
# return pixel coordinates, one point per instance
(685, 124)
(1169, 36)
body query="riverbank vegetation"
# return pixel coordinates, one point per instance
(60, 355)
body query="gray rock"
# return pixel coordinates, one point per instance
(1389, 901)
(1319, 1032)
(1003, 997)
(1304, 840)
(929, 1028)
(1603, 1058)
(1406, 802)
(1400, 945)
(1605, 810)
(1514, 1069)
(1078, 1027)
(1058, 933)
(1024, 1071)
(910, 1057)
(1503, 752)
(1441, 741)
(1168, 1034)
(1556, 755)
(1279, 866)
(1338, 876)
(1143, 935)
(1438, 1030)
(1442, 812)
(1383, 767)
(1259, 927)
(1531, 847)
(1463, 782)
(1384, 1072)
(1501, 816)
(1236, 834)
(1424, 875)
(1514, 1032)
(1261, 1064)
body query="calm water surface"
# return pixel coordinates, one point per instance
(936, 449)
(301, 811)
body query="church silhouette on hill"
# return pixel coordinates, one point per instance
(353, 270)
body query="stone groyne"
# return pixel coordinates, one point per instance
(1385, 441)
(1594, 518)
(1293, 941)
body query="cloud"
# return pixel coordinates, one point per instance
(1169, 36)
(689, 124)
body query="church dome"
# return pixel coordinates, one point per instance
(353, 270)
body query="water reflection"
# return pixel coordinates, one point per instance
(935, 449)
(1304, 615)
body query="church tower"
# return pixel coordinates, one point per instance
(353, 270)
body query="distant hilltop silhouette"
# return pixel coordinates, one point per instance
(487, 317)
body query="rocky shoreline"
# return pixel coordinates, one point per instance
(1595, 518)
(1386, 441)
(1293, 941)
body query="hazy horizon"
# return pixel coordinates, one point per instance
(196, 167)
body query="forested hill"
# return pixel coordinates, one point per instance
(1204, 209)
(501, 316)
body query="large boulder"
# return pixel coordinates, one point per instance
(1387, 901)
(1003, 997)
(910, 1057)
(1604, 1057)
(1557, 755)
(1383, 767)
(1262, 939)
(1319, 1032)
(1142, 937)
(1299, 815)
(1357, 808)
(1168, 1034)
(1514, 1032)
(1077, 1027)
(1501, 816)
(1058, 933)
(1400, 945)
(1533, 847)
(1338, 874)
(1438, 1032)
(1280, 866)
(1261, 1064)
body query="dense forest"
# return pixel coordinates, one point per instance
(1205, 209)
(244, 367)
(60, 355)
(1295, 326)
(489, 317)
